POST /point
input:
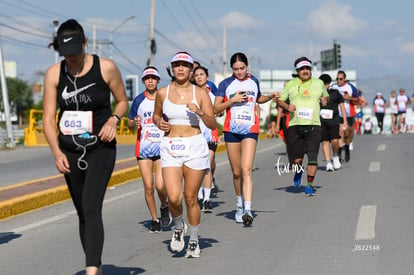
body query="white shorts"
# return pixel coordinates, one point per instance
(191, 151)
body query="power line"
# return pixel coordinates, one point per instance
(23, 31)
(126, 58)
(176, 47)
(21, 23)
(24, 42)
(200, 31)
(186, 34)
(181, 28)
(208, 26)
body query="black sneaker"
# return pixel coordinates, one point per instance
(200, 204)
(247, 218)
(166, 218)
(155, 227)
(207, 207)
(347, 153)
(215, 188)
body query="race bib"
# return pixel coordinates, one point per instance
(244, 117)
(179, 147)
(153, 134)
(305, 113)
(326, 114)
(76, 122)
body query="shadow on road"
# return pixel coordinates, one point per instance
(6, 237)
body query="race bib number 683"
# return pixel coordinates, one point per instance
(76, 122)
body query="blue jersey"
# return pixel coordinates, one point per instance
(241, 118)
(148, 135)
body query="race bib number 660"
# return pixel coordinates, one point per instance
(76, 122)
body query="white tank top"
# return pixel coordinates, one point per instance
(179, 114)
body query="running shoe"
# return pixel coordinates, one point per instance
(166, 218)
(155, 227)
(247, 218)
(309, 191)
(177, 240)
(200, 204)
(207, 207)
(239, 214)
(193, 250)
(336, 163)
(347, 154)
(329, 166)
(214, 188)
(297, 179)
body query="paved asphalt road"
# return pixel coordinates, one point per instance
(359, 222)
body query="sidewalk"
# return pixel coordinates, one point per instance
(26, 196)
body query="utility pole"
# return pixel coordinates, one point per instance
(5, 94)
(152, 46)
(224, 52)
(94, 39)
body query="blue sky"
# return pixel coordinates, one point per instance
(377, 39)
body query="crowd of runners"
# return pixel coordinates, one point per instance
(177, 133)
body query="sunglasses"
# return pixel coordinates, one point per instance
(339, 78)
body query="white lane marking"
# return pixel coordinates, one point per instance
(22, 229)
(381, 147)
(366, 223)
(374, 166)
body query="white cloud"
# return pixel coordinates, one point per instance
(237, 20)
(335, 20)
(407, 47)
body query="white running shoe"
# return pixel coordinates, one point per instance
(336, 163)
(193, 250)
(177, 240)
(239, 214)
(329, 166)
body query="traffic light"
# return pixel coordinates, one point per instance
(337, 53)
(128, 87)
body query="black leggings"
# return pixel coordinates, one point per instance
(380, 119)
(87, 189)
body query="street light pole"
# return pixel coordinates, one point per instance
(56, 24)
(10, 139)
(114, 30)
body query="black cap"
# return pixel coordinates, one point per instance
(70, 38)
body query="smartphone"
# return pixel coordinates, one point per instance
(164, 116)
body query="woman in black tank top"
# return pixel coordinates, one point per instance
(81, 85)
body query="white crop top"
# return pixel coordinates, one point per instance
(179, 114)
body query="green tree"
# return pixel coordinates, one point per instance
(20, 98)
